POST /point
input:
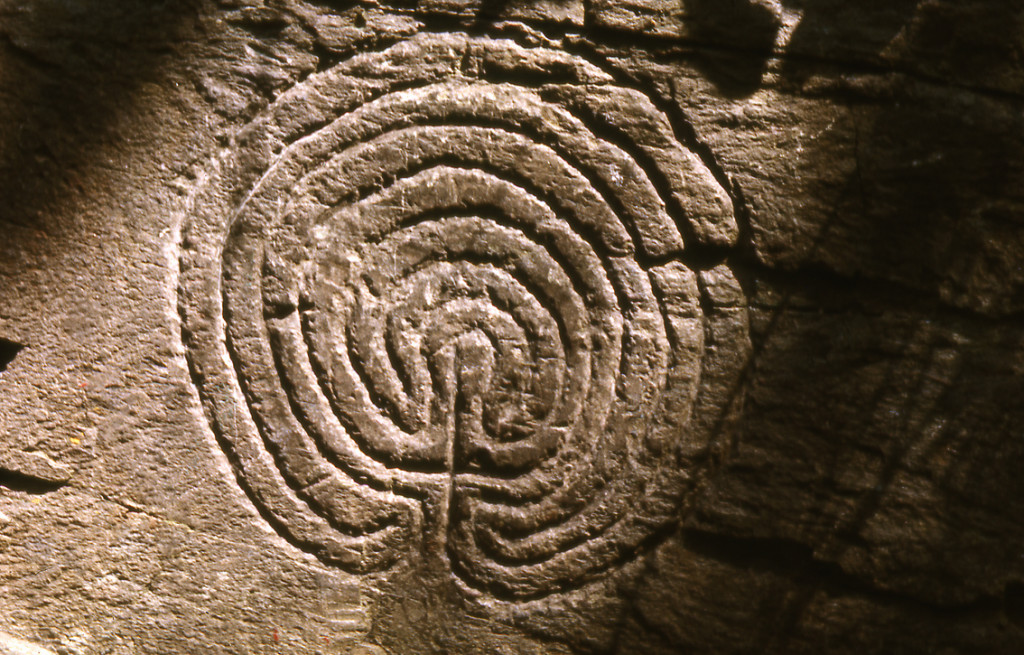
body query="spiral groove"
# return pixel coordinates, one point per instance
(417, 309)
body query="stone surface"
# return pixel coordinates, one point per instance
(511, 327)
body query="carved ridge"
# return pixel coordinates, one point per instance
(451, 317)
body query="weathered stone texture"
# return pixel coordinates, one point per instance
(620, 326)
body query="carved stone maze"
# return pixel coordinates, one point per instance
(435, 305)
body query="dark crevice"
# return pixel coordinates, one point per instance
(699, 258)
(277, 312)
(264, 25)
(18, 481)
(763, 554)
(326, 58)
(8, 351)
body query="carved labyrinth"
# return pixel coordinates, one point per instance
(432, 302)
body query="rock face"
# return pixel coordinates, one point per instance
(616, 327)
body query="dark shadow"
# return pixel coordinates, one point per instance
(878, 457)
(1013, 604)
(8, 351)
(925, 184)
(69, 71)
(16, 481)
(838, 32)
(733, 40)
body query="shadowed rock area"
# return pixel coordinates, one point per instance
(543, 327)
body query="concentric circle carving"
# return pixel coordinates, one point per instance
(433, 302)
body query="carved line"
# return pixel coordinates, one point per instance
(609, 193)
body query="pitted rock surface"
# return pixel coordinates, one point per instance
(540, 327)
(432, 308)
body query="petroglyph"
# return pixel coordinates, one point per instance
(434, 300)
